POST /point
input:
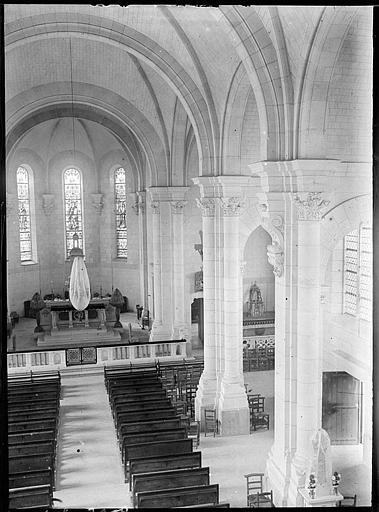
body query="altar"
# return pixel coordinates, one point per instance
(61, 314)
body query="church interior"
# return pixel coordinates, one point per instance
(189, 255)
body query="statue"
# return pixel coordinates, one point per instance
(255, 300)
(321, 465)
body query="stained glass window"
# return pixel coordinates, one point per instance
(358, 273)
(120, 210)
(23, 194)
(73, 208)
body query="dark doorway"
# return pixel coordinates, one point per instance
(341, 407)
(197, 316)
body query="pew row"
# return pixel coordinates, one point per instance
(178, 497)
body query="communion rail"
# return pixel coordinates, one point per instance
(57, 359)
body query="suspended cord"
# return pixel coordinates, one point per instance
(72, 101)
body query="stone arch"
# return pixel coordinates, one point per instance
(114, 159)
(102, 29)
(314, 86)
(338, 222)
(234, 122)
(255, 47)
(114, 115)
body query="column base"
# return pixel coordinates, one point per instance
(233, 410)
(278, 476)
(205, 397)
(160, 332)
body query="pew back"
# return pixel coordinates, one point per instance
(178, 497)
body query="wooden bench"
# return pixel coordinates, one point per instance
(32, 406)
(133, 387)
(150, 437)
(148, 414)
(27, 426)
(31, 415)
(20, 402)
(149, 426)
(138, 397)
(35, 448)
(28, 437)
(34, 396)
(150, 405)
(29, 497)
(208, 505)
(155, 448)
(178, 497)
(25, 463)
(163, 463)
(32, 478)
(169, 480)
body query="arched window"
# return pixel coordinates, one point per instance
(358, 273)
(24, 214)
(120, 210)
(72, 184)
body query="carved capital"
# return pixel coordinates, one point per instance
(207, 205)
(177, 206)
(310, 207)
(97, 202)
(232, 206)
(276, 258)
(48, 203)
(155, 207)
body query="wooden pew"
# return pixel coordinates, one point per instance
(132, 389)
(120, 409)
(28, 437)
(149, 426)
(32, 478)
(34, 396)
(35, 448)
(208, 505)
(19, 402)
(25, 463)
(14, 417)
(28, 497)
(35, 425)
(150, 437)
(156, 448)
(148, 414)
(140, 397)
(178, 497)
(32, 406)
(163, 463)
(169, 480)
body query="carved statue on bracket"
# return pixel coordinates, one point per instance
(276, 258)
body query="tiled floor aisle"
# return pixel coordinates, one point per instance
(89, 468)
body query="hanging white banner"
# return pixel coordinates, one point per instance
(80, 293)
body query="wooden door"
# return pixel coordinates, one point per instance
(341, 407)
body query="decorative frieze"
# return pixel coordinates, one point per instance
(97, 202)
(207, 205)
(177, 206)
(310, 207)
(276, 258)
(48, 203)
(232, 206)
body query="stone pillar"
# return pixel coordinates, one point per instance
(180, 328)
(309, 346)
(158, 304)
(206, 393)
(140, 209)
(233, 409)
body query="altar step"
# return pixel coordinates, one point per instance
(75, 337)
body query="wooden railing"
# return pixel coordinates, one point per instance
(106, 355)
(260, 341)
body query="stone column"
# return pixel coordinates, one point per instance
(157, 322)
(233, 410)
(180, 329)
(140, 209)
(206, 393)
(309, 346)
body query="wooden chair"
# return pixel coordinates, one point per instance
(254, 485)
(210, 422)
(194, 433)
(258, 418)
(348, 501)
(262, 500)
